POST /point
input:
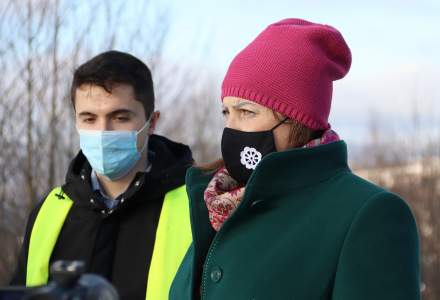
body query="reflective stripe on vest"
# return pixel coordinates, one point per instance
(47, 227)
(173, 237)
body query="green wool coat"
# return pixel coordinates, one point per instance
(307, 228)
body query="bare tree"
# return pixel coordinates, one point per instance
(54, 97)
(409, 165)
(41, 42)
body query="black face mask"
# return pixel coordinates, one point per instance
(242, 151)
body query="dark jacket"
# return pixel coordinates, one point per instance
(116, 244)
(307, 228)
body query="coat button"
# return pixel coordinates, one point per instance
(256, 203)
(216, 274)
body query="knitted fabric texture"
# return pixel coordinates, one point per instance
(290, 68)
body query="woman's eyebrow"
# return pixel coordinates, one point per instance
(242, 103)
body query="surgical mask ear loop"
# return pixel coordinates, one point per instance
(147, 138)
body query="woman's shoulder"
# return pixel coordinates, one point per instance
(380, 238)
(359, 189)
(373, 201)
(351, 196)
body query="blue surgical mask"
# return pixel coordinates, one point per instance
(112, 154)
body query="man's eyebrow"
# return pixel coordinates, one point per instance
(121, 111)
(112, 113)
(86, 114)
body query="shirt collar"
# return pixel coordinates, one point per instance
(97, 187)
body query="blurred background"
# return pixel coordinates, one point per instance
(387, 108)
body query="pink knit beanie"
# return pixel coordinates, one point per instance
(290, 68)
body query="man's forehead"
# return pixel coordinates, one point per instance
(115, 90)
(104, 103)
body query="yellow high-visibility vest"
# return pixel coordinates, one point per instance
(173, 237)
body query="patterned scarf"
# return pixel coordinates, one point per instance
(223, 194)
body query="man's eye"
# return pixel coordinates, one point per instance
(122, 119)
(88, 120)
(225, 112)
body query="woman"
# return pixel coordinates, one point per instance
(284, 217)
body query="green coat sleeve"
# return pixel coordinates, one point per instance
(380, 255)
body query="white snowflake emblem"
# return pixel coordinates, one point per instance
(250, 157)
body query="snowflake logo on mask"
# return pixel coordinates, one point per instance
(250, 157)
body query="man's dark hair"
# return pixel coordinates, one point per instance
(113, 67)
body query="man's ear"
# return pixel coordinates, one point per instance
(153, 122)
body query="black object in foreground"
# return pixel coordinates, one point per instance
(68, 283)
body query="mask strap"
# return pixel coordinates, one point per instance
(145, 125)
(279, 124)
(146, 139)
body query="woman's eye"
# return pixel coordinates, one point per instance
(247, 112)
(225, 112)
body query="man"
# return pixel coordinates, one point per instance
(123, 208)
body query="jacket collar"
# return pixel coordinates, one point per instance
(293, 169)
(300, 167)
